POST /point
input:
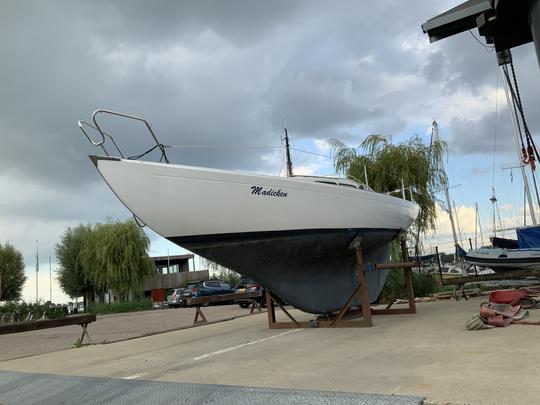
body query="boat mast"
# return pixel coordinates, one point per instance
(515, 136)
(287, 151)
(477, 223)
(476, 226)
(493, 200)
(457, 223)
(435, 132)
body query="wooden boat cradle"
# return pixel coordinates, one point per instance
(345, 317)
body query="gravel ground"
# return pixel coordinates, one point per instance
(110, 328)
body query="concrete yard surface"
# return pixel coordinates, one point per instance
(110, 328)
(429, 354)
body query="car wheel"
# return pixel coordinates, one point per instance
(243, 304)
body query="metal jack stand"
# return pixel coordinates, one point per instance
(341, 318)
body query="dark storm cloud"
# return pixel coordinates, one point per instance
(222, 73)
(65, 59)
(167, 21)
(527, 70)
(465, 64)
(176, 64)
(316, 108)
(481, 136)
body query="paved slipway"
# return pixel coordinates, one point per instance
(111, 328)
(402, 358)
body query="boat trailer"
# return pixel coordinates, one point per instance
(346, 316)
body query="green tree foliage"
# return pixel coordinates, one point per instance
(115, 256)
(94, 259)
(386, 164)
(219, 272)
(18, 311)
(230, 277)
(12, 275)
(73, 277)
(423, 285)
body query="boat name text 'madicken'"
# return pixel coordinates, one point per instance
(258, 190)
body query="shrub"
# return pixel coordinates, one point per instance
(17, 312)
(394, 287)
(424, 284)
(143, 304)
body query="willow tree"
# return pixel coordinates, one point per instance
(115, 256)
(75, 280)
(12, 275)
(413, 163)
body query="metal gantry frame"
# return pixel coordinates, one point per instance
(345, 317)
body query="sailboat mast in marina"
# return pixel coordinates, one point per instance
(505, 24)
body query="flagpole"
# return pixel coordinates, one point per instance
(50, 280)
(37, 269)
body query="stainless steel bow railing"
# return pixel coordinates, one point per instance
(104, 135)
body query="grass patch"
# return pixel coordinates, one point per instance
(120, 307)
(445, 288)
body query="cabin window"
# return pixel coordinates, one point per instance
(326, 182)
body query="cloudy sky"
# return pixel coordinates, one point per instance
(226, 73)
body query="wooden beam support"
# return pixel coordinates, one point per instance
(271, 300)
(408, 278)
(198, 313)
(255, 304)
(390, 266)
(26, 326)
(270, 309)
(85, 333)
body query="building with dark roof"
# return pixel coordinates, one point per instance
(172, 272)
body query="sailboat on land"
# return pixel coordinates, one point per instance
(524, 255)
(291, 234)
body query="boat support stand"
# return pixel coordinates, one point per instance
(344, 318)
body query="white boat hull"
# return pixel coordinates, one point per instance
(500, 259)
(187, 201)
(289, 234)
